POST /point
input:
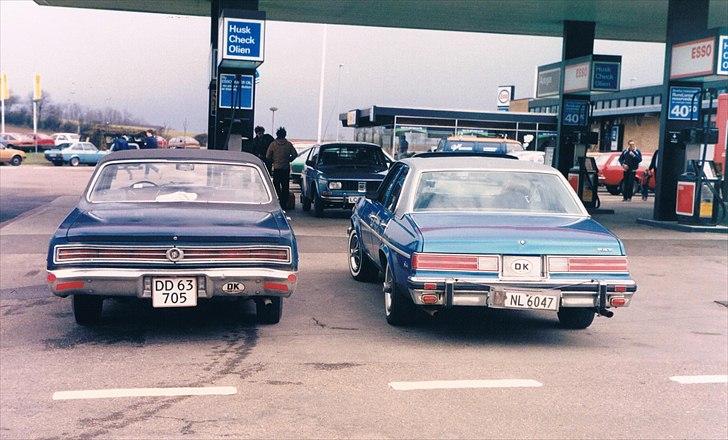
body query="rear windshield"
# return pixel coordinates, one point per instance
(169, 182)
(480, 146)
(351, 155)
(497, 191)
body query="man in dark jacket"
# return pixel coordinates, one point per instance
(119, 144)
(630, 160)
(651, 170)
(150, 141)
(261, 142)
(280, 154)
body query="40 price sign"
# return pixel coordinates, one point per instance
(684, 103)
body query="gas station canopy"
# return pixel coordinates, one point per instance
(628, 20)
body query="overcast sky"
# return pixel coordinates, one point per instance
(157, 66)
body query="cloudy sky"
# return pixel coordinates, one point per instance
(156, 66)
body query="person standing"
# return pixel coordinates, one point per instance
(651, 171)
(150, 141)
(261, 142)
(630, 160)
(280, 154)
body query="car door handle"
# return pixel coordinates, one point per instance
(374, 218)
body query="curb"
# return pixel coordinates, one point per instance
(675, 226)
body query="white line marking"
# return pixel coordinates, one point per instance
(454, 384)
(700, 379)
(144, 392)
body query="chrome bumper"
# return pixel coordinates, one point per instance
(131, 282)
(478, 292)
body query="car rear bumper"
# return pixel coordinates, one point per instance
(479, 292)
(112, 282)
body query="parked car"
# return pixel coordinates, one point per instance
(44, 141)
(65, 138)
(182, 142)
(17, 140)
(297, 166)
(11, 155)
(485, 232)
(338, 174)
(476, 144)
(611, 173)
(178, 227)
(76, 154)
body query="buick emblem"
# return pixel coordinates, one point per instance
(174, 255)
(522, 242)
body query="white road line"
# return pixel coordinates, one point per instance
(700, 379)
(455, 384)
(144, 392)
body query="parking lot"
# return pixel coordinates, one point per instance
(333, 367)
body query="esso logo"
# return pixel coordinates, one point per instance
(704, 50)
(504, 96)
(582, 72)
(521, 266)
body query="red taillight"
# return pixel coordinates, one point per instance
(292, 278)
(275, 286)
(617, 301)
(620, 288)
(430, 286)
(455, 262)
(429, 298)
(68, 285)
(588, 264)
(51, 277)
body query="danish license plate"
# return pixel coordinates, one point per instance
(174, 292)
(354, 199)
(525, 299)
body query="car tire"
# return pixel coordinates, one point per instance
(398, 309)
(74, 162)
(614, 190)
(576, 318)
(87, 309)
(361, 267)
(16, 161)
(318, 205)
(305, 203)
(269, 310)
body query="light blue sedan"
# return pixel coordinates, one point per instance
(79, 153)
(485, 232)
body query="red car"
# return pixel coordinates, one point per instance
(16, 140)
(44, 141)
(611, 172)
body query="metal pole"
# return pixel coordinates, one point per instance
(2, 111)
(338, 96)
(321, 85)
(35, 123)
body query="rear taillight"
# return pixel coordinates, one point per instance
(588, 264)
(455, 262)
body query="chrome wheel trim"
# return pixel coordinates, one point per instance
(355, 254)
(388, 289)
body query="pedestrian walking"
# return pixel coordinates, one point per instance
(651, 171)
(630, 160)
(280, 154)
(261, 142)
(150, 141)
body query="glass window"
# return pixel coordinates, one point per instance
(640, 100)
(623, 102)
(168, 182)
(392, 198)
(351, 155)
(386, 185)
(494, 191)
(657, 99)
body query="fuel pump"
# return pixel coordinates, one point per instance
(584, 175)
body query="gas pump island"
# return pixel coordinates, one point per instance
(240, 50)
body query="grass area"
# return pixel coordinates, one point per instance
(35, 159)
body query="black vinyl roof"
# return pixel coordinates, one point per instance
(184, 154)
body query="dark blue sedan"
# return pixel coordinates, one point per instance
(339, 174)
(486, 232)
(176, 227)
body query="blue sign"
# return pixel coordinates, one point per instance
(683, 103)
(575, 112)
(236, 94)
(722, 55)
(242, 39)
(605, 76)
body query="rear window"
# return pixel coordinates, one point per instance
(351, 155)
(480, 146)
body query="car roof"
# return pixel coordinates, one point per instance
(366, 144)
(469, 162)
(481, 139)
(183, 154)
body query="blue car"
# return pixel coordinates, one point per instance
(79, 153)
(485, 232)
(338, 174)
(176, 227)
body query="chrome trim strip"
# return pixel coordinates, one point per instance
(385, 241)
(552, 282)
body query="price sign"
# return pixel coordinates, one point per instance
(575, 112)
(684, 103)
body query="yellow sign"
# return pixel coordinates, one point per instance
(37, 91)
(4, 90)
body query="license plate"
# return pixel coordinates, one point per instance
(362, 187)
(174, 292)
(524, 299)
(353, 199)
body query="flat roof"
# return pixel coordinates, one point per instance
(378, 115)
(629, 20)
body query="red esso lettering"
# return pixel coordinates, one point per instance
(581, 72)
(701, 51)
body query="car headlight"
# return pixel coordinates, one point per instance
(334, 185)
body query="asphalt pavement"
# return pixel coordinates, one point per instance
(333, 368)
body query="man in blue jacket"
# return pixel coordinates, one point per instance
(630, 160)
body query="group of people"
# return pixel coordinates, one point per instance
(121, 143)
(630, 160)
(277, 154)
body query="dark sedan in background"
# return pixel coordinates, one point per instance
(338, 174)
(175, 227)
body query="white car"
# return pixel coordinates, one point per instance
(65, 138)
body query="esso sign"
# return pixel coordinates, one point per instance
(704, 50)
(692, 59)
(582, 72)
